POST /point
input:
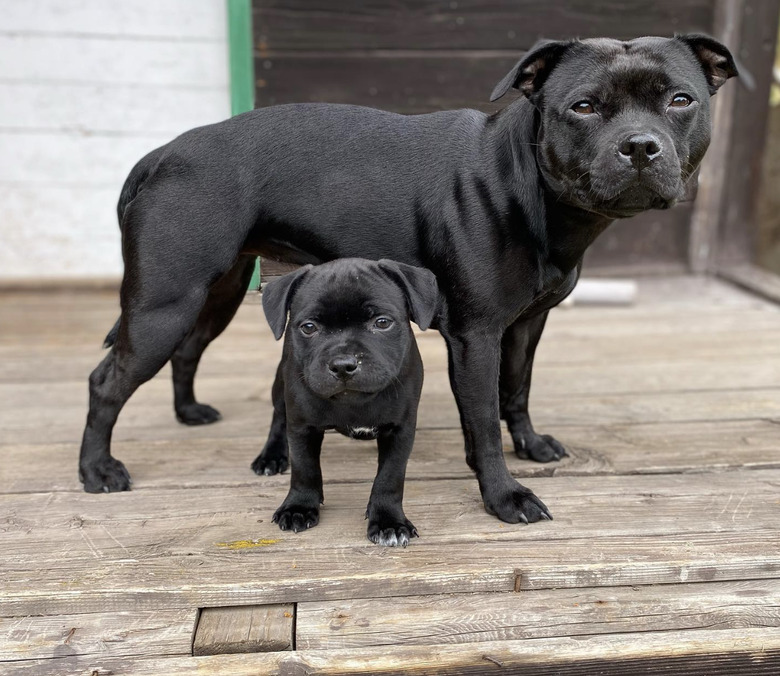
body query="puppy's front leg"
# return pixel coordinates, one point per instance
(301, 508)
(387, 523)
(474, 369)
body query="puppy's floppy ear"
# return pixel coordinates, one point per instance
(715, 59)
(278, 295)
(533, 69)
(419, 287)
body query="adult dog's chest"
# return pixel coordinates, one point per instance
(550, 294)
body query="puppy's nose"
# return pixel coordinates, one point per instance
(640, 149)
(344, 366)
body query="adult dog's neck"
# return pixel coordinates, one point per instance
(565, 231)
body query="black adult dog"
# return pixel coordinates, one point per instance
(350, 363)
(500, 207)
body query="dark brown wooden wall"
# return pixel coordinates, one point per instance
(416, 56)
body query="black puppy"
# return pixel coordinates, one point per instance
(499, 207)
(349, 363)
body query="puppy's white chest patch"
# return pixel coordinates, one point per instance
(363, 432)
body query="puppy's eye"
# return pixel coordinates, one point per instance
(681, 101)
(308, 328)
(383, 323)
(583, 108)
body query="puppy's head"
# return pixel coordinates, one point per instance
(348, 331)
(622, 125)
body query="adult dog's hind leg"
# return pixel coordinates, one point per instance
(146, 339)
(221, 305)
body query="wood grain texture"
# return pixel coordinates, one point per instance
(742, 652)
(222, 462)
(248, 629)
(611, 530)
(466, 24)
(466, 618)
(141, 634)
(669, 409)
(737, 228)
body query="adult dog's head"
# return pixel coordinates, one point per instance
(622, 125)
(349, 330)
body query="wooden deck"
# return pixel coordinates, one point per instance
(664, 554)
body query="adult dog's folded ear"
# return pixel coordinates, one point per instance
(532, 70)
(715, 59)
(278, 295)
(419, 287)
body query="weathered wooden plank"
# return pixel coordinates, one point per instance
(192, 63)
(86, 108)
(608, 531)
(742, 652)
(466, 618)
(244, 629)
(97, 161)
(755, 279)
(403, 82)
(151, 633)
(758, 38)
(142, 420)
(174, 19)
(223, 461)
(466, 24)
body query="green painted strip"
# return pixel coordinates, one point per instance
(242, 72)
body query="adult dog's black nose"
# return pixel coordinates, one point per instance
(343, 367)
(640, 149)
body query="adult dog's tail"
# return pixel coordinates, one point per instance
(135, 180)
(133, 183)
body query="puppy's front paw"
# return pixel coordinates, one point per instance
(296, 517)
(538, 447)
(198, 414)
(514, 504)
(390, 532)
(107, 475)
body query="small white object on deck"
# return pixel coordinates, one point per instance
(602, 292)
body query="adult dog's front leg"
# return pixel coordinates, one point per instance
(518, 347)
(474, 368)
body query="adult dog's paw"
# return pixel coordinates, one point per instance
(296, 517)
(107, 475)
(268, 464)
(390, 532)
(515, 504)
(197, 414)
(538, 447)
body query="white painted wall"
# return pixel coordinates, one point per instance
(87, 87)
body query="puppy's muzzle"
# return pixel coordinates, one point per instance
(343, 367)
(640, 150)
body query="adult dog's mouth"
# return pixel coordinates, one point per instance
(623, 201)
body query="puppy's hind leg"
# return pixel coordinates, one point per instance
(222, 302)
(274, 457)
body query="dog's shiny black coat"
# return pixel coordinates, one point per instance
(500, 207)
(349, 363)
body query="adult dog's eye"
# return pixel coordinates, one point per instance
(681, 101)
(383, 323)
(308, 328)
(583, 108)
